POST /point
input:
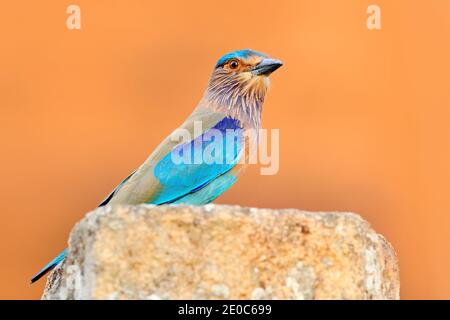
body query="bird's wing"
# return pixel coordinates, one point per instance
(111, 195)
(161, 180)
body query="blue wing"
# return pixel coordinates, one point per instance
(206, 158)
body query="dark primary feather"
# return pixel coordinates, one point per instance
(49, 266)
(111, 195)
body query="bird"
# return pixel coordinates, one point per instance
(232, 102)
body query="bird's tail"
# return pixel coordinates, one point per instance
(49, 266)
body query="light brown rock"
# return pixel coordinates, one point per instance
(224, 252)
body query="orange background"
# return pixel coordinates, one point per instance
(363, 115)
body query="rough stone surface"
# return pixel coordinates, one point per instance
(224, 252)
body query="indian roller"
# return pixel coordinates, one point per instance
(232, 102)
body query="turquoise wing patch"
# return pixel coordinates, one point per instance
(206, 158)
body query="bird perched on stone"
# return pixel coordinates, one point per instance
(200, 169)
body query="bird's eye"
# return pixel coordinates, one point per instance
(234, 64)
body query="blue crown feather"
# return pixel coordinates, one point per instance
(239, 54)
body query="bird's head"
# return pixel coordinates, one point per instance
(241, 78)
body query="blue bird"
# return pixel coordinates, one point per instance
(200, 169)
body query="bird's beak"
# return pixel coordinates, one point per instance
(266, 67)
